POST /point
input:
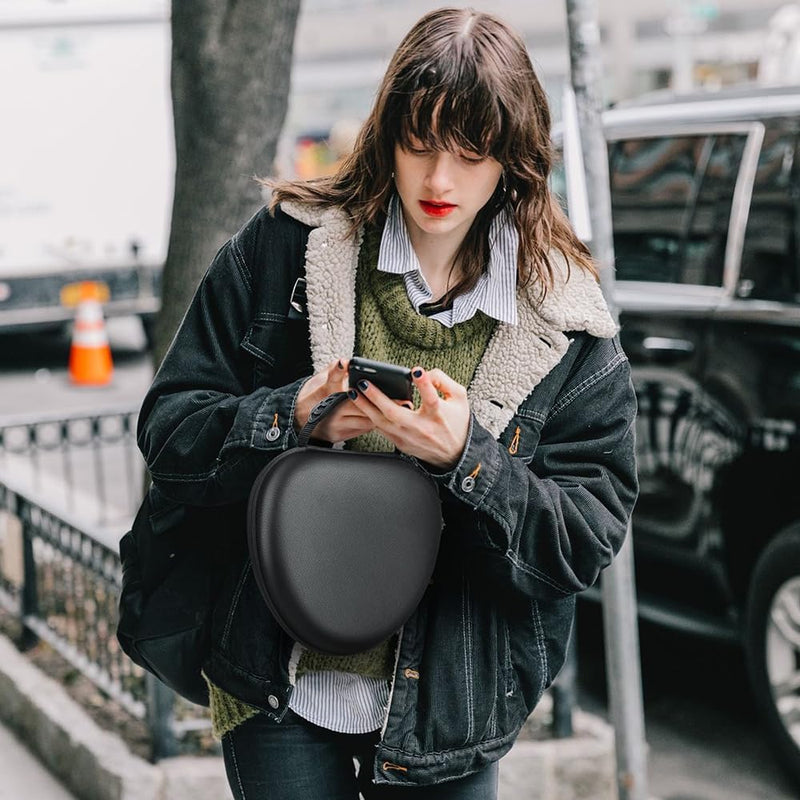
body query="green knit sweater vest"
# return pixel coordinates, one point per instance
(387, 329)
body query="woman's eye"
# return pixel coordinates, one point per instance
(472, 158)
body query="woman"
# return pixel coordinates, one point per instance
(438, 246)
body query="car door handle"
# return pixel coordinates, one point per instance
(664, 344)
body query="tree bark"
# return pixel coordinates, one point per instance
(231, 66)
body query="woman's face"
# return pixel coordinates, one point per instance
(442, 191)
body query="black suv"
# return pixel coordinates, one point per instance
(706, 209)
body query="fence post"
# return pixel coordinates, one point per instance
(160, 704)
(29, 596)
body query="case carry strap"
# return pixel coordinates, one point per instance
(318, 413)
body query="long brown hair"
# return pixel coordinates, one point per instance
(460, 79)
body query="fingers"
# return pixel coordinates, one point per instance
(336, 373)
(445, 384)
(376, 405)
(426, 388)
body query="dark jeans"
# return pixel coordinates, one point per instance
(295, 760)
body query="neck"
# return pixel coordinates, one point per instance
(436, 254)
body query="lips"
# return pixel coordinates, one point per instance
(434, 209)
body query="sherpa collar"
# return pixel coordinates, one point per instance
(517, 356)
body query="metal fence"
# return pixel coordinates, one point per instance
(69, 488)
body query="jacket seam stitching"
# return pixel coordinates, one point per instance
(587, 383)
(537, 621)
(519, 564)
(260, 414)
(238, 257)
(234, 605)
(202, 476)
(504, 738)
(255, 350)
(526, 413)
(489, 483)
(269, 316)
(197, 476)
(466, 624)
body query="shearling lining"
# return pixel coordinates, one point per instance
(517, 357)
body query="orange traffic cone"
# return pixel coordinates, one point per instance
(90, 355)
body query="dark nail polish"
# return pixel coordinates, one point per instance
(408, 406)
(417, 373)
(363, 385)
(339, 364)
(352, 394)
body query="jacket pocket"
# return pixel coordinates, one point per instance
(264, 341)
(521, 436)
(278, 349)
(249, 635)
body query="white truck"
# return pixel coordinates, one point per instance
(86, 156)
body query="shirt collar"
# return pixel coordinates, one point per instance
(495, 293)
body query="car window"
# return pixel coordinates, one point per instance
(771, 253)
(671, 202)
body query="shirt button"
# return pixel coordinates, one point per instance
(273, 701)
(468, 484)
(273, 434)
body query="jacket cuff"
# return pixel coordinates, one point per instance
(477, 470)
(273, 424)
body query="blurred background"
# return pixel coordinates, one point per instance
(87, 176)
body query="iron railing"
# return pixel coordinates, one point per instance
(69, 488)
(87, 464)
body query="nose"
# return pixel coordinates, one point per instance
(439, 177)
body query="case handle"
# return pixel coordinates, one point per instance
(318, 413)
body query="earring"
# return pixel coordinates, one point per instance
(501, 192)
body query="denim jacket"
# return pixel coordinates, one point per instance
(534, 510)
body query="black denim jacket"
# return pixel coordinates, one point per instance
(552, 430)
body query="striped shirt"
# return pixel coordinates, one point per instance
(343, 701)
(495, 293)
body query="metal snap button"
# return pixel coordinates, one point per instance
(468, 484)
(273, 701)
(273, 434)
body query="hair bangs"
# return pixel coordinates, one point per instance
(457, 111)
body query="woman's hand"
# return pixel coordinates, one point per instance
(345, 421)
(436, 432)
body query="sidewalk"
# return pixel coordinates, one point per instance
(24, 775)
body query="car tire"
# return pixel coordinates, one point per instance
(772, 641)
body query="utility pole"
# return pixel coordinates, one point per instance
(619, 593)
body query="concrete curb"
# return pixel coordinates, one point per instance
(92, 763)
(96, 765)
(582, 767)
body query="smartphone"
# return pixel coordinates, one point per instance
(393, 381)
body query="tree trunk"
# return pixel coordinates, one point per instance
(231, 65)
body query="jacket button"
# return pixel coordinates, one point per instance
(468, 484)
(273, 701)
(273, 434)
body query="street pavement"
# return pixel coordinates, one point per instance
(24, 777)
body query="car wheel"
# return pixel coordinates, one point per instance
(773, 643)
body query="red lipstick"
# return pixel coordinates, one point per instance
(436, 209)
